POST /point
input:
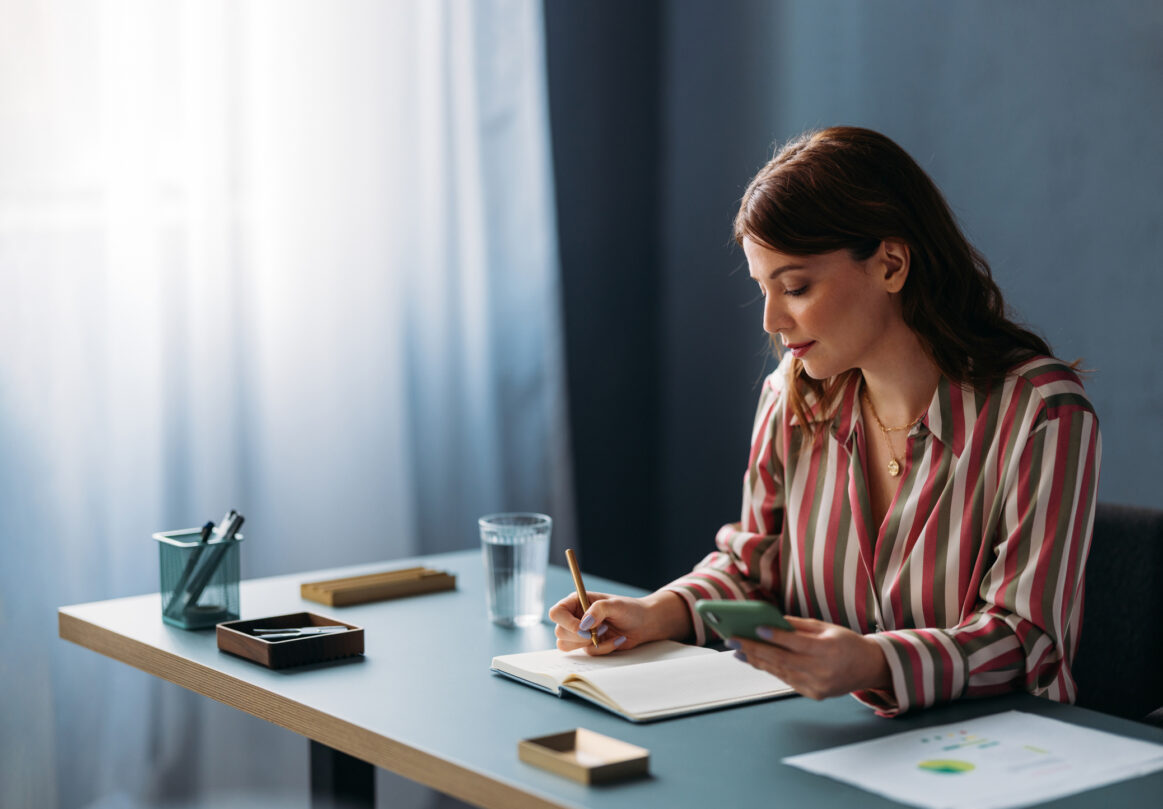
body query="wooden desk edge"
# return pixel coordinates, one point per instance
(432, 771)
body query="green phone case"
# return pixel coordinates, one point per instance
(740, 618)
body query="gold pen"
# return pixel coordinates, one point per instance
(581, 588)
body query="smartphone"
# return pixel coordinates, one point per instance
(740, 618)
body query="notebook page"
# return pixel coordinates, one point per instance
(683, 684)
(553, 666)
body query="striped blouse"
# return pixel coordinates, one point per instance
(973, 583)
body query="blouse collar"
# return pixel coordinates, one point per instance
(950, 416)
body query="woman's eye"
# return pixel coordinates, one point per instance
(795, 293)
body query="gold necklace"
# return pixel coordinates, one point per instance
(894, 467)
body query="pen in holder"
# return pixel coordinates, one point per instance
(199, 579)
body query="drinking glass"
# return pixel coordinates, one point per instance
(515, 547)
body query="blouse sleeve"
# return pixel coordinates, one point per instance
(745, 563)
(1024, 629)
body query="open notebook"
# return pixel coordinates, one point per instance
(653, 681)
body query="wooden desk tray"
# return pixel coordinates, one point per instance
(236, 638)
(585, 756)
(377, 586)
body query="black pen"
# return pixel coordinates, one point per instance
(191, 563)
(206, 571)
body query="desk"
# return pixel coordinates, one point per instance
(423, 704)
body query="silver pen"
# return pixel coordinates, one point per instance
(278, 633)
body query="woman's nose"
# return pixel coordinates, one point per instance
(775, 318)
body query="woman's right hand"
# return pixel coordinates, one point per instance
(619, 622)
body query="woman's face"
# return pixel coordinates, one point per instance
(830, 311)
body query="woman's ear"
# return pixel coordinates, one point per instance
(894, 261)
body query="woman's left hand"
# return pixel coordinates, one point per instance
(819, 660)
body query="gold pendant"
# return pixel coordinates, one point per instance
(894, 468)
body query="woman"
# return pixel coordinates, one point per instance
(921, 483)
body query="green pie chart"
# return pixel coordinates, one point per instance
(946, 766)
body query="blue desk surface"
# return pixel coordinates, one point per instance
(421, 702)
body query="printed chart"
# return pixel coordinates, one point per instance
(1004, 760)
(957, 752)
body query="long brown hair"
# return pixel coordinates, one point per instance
(847, 188)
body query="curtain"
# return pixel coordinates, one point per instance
(293, 258)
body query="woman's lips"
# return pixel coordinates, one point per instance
(799, 349)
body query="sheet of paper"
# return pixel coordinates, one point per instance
(1003, 760)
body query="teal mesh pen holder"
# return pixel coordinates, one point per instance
(199, 580)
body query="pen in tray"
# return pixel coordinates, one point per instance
(281, 633)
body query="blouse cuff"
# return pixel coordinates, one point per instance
(926, 667)
(690, 598)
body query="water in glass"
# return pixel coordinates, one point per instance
(516, 554)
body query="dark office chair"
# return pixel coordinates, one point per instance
(1119, 665)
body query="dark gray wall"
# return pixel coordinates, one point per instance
(1039, 120)
(603, 61)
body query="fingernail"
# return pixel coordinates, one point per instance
(731, 643)
(602, 630)
(741, 656)
(620, 641)
(586, 622)
(765, 632)
(583, 634)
